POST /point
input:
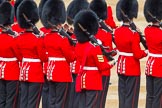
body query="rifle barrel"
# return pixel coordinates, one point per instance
(133, 27)
(62, 32)
(94, 40)
(35, 29)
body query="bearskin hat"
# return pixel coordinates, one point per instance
(74, 7)
(54, 12)
(17, 2)
(88, 20)
(129, 7)
(100, 8)
(6, 14)
(155, 8)
(40, 8)
(30, 10)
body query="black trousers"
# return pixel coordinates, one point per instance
(8, 93)
(73, 96)
(30, 94)
(102, 94)
(154, 92)
(128, 91)
(18, 96)
(58, 94)
(45, 94)
(88, 99)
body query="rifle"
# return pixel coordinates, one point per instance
(133, 27)
(94, 40)
(100, 21)
(105, 27)
(8, 30)
(35, 29)
(63, 33)
(154, 17)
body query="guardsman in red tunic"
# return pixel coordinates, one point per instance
(15, 26)
(60, 54)
(128, 66)
(9, 67)
(100, 8)
(45, 90)
(31, 48)
(92, 62)
(18, 29)
(110, 20)
(43, 29)
(153, 70)
(73, 8)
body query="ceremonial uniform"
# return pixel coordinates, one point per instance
(128, 66)
(45, 90)
(153, 66)
(9, 68)
(73, 8)
(60, 54)
(9, 72)
(100, 8)
(92, 62)
(31, 73)
(94, 66)
(18, 30)
(73, 96)
(33, 54)
(110, 21)
(153, 32)
(128, 44)
(58, 69)
(106, 39)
